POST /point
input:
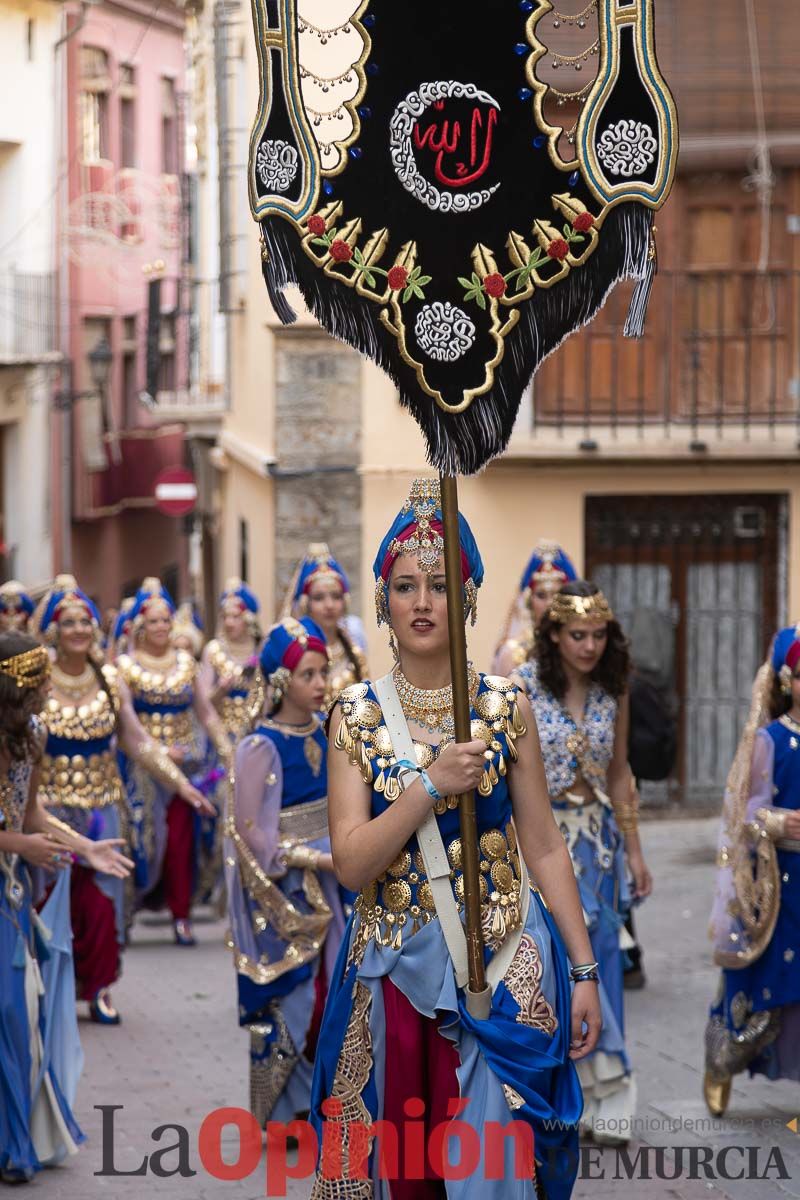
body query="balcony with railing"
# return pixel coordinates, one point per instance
(28, 324)
(717, 373)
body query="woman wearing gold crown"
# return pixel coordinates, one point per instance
(397, 1031)
(37, 1128)
(577, 688)
(88, 714)
(320, 590)
(547, 570)
(175, 713)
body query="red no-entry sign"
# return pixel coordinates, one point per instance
(176, 492)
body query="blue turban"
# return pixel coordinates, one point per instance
(547, 563)
(318, 562)
(13, 595)
(782, 645)
(235, 588)
(151, 589)
(418, 529)
(64, 594)
(287, 642)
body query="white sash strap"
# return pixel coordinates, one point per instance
(437, 866)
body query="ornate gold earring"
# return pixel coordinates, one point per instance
(393, 647)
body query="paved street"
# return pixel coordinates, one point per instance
(180, 1054)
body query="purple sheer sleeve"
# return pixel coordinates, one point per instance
(762, 766)
(257, 799)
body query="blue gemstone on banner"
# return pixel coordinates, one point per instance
(526, 5)
(539, 141)
(355, 152)
(524, 93)
(365, 112)
(574, 177)
(368, 20)
(327, 187)
(521, 48)
(372, 68)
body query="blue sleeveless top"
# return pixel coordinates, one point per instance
(304, 762)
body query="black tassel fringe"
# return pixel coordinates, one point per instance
(464, 443)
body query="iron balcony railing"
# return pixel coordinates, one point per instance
(28, 325)
(719, 363)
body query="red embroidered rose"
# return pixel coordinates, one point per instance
(397, 278)
(316, 225)
(494, 285)
(583, 222)
(341, 251)
(558, 248)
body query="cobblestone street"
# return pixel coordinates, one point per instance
(180, 1054)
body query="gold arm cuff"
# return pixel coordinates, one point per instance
(773, 821)
(157, 762)
(301, 856)
(63, 828)
(627, 814)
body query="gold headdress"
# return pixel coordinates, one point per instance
(29, 669)
(564, 608)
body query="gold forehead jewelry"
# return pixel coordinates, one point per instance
(428, 545)
(29, 669)
(564, 608)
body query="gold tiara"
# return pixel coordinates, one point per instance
(29, 669)
(564, 608)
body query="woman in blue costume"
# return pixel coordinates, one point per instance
(286, 916)
(89, 712)
(755, 1022)
(397, 1029)
(320, 590)
(175, 713)
(16, 607)
(36, 1125)
(548, 569)
(577, 687)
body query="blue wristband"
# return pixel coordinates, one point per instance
(430, 786)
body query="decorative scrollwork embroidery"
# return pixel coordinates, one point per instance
(444, 331)
(627, 148)
(524, 981)
(277, 164)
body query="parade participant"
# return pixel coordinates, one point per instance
(88, 712)
(175, 713)
(396, 1028)
(755, 923)
(228, 673)
(118, 636)
(37, 1128)
(577, 687)
(547, 569)
(16, 607)
(187, 629)
(286, 915)
(320, 590)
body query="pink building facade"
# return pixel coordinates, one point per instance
(123, 224)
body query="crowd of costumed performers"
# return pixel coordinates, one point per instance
(143, 768)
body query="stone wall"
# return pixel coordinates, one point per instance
(318, 441)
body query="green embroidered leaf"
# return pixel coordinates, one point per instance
(423, 279)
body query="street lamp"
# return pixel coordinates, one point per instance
(100, 359)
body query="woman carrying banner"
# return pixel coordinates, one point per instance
(577, 688)
(320, 590)
(397, 1037)
(755, 924)
(175, 714)
(285, 912)
(545, 573)
(88, 714)
(37, 1128)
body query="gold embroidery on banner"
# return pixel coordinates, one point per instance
(524, 982)
(352, 1074)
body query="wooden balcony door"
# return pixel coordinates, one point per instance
(710, 564)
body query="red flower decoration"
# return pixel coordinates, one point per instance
(558, 248)
(397, 278)
(316, 225)
(494, 285)
(583, 222)
(341, 251)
